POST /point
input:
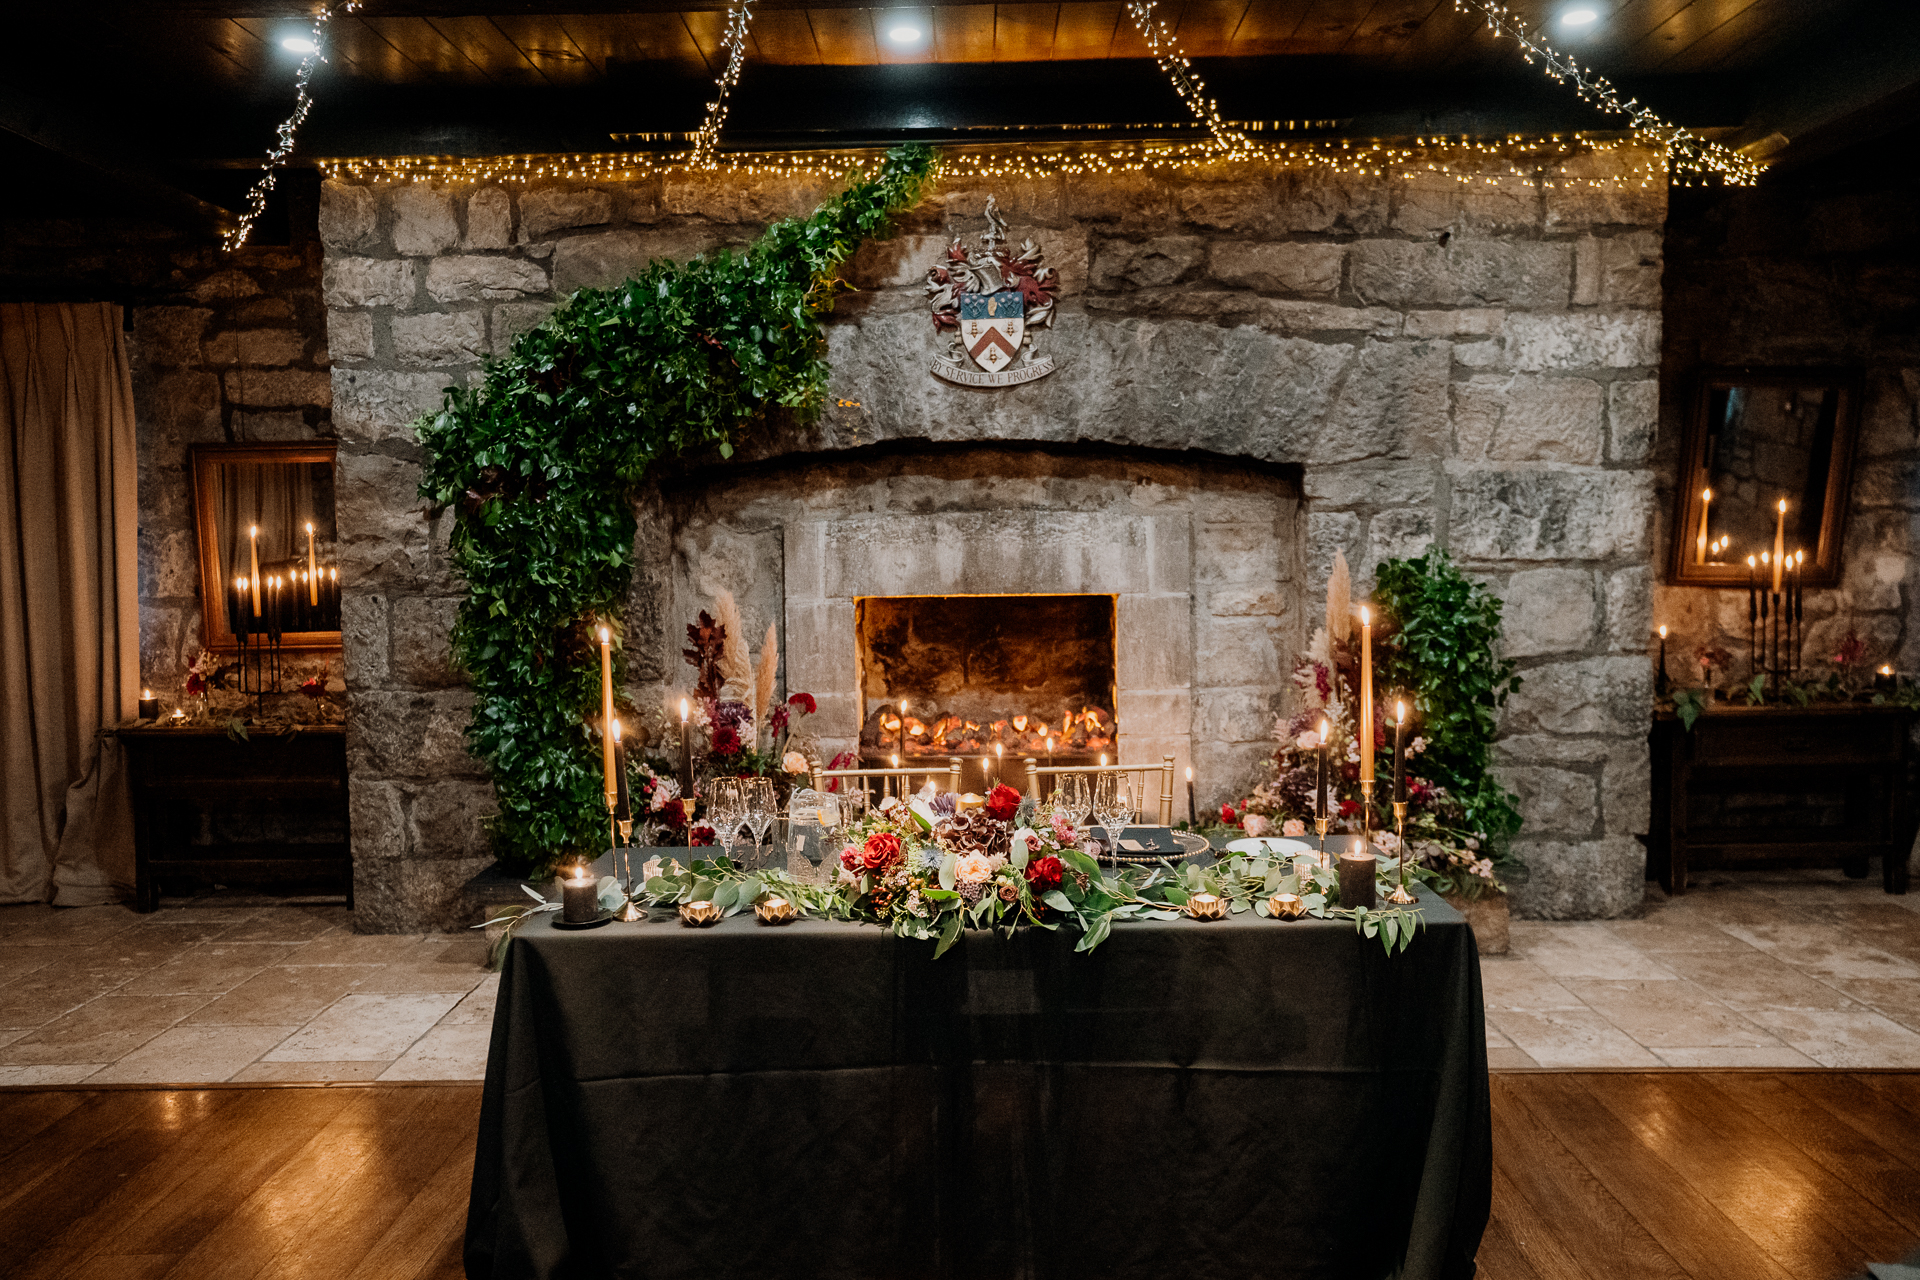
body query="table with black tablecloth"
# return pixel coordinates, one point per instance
(1242, 1098)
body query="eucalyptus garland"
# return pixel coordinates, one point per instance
(540, 464)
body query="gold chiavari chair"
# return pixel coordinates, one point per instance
(1036, 771)
(903, 777)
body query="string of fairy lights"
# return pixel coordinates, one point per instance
(1176, 66)
(1685, 157)
(708, 138)
(237, 235)
(1687, 153)
(1556, 163)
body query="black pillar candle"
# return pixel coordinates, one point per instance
(1400, 757)
(1356, 878)
(149, 705)
(1320, 776)
(579, 896)
(622, 806)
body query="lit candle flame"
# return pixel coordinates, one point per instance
(146, 694)
(1663, 633)
(1706, 495)
(683, 711)
(1366, 618)
(1886, 670)
(616, 731)
(1400, 710)
(1783, 506)
(1189, 773)
(605, 635)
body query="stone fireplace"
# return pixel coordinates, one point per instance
(1141, 589)
(967, 675)
(1254, 368)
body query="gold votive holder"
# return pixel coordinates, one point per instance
(1206, 906)
(775, 911)
(698, 915)
(1286, 906)
(969, 801)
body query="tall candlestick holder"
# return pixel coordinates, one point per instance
(632, 912)
(1320, 824)
(1366, 810)
(1400, 897)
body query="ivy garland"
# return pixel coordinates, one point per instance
(540, 464)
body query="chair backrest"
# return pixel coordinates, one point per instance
(905, 776)
(1036, 771)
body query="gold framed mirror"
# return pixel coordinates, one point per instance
(267, 533)
(1757, 438)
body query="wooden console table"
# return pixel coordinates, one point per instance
(1792, 786)
(177, 773)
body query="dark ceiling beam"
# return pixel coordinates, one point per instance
(1860, 83)
(58, 128)
(794, 107)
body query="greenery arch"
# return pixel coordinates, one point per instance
(539, 464)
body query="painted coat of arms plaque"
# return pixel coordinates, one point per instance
(987, 303)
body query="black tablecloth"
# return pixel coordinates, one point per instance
(1232, 1099)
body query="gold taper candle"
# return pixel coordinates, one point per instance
(253, 545)
(1364, 729)
(1700, 552)
(1779, 546)
(313, 571)
(606, 711)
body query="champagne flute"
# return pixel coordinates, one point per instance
(760, 812)
(1113, 809)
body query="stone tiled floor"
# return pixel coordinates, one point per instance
(1797, 969)
(198, 994)
(1750, 969)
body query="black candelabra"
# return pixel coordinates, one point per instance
(1775, 611)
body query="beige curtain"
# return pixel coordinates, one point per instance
(69, 612)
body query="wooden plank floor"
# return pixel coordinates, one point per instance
(1597, 1176)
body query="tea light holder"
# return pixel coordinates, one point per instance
(1205, 906)
(775, 911)
(1286, 906)
(698, 915)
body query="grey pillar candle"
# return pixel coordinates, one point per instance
(579, 896)
(1356, 878)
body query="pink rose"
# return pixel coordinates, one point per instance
(1257, 825)
(1293, 828)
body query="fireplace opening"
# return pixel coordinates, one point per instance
(984, 671)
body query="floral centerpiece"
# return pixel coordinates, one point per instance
(736, 705)
(1449, 844)
(929, 869)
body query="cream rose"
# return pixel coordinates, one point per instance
(973, 867)
(1293, 828)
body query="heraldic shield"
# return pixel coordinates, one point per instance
(991, 326)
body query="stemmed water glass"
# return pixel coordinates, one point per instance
(1074, 798)
(761, 810)
(726, 810)
(1113, 808)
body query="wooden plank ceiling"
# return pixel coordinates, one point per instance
(518, 45)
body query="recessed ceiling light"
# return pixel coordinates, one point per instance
(903, 34)
(1579, 16)
(299, 44)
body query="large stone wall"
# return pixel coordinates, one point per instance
(1816, 268)
(1468, 362)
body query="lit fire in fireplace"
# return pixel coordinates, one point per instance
(1086, 731)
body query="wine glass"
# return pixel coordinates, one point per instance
(760, 811)
(1113, 808)
(726, 810)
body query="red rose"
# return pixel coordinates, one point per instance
(805, 702)
(1349, 807)
(1228, 816)
(850, 859)
(1044, 873)
(1003, 802)
(881, 850)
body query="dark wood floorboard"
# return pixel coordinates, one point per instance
(1654, 1176)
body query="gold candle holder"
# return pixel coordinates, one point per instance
(1400, 897)
(1366, 810)
(1205, 906)
(631, 912)
(1321, 825)
(775, 910)
(698, 915)
(1286, 906)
